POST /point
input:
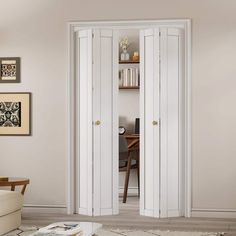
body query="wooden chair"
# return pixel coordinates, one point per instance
(125, 160)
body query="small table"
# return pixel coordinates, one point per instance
(13, 182)
(88, 228)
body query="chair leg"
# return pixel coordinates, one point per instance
(127, 179)
(138, 174)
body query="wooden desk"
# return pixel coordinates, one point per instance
(133, 142)
(13, 182)
(132, 138)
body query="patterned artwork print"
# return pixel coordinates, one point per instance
(10, 114)
(8, 70)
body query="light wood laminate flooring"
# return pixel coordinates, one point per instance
(129, 218)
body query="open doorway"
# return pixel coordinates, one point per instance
(94, 90)
(129, 117)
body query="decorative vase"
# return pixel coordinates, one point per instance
(124, 56)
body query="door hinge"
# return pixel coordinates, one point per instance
(93, 35)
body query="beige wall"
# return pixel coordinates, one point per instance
(36, 31)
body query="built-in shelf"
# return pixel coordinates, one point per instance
(129, 87)
(128, 62)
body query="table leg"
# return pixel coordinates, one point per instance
(13, 187)
(23, 189)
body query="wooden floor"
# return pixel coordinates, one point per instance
(129, 218)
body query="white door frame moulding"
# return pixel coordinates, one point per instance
(73, 27)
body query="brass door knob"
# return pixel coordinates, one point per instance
(98, 122)
(155, 122)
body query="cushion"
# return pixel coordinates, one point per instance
(10, 202)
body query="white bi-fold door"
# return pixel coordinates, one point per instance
(160, 122)
(160, 103)
(97, 119)
(105, 122)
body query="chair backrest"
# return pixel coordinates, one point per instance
(137, 126)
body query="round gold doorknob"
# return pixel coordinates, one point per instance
(98, 122)
(155, 122)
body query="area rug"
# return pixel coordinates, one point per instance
(27, 231)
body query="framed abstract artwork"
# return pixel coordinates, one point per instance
(9, 70)
(15, 113)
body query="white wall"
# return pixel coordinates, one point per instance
(37, 32)
(128, 108)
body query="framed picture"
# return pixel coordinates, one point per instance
(9, 70)
(15, 113)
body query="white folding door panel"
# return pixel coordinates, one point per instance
(84, 182)
(149, 122)
(160, 100)
(171, 157)
(105, 117)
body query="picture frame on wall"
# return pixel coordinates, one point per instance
(10, 69)
(15, 113)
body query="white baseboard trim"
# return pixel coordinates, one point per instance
(214, 213)
(131, 191)
(31, 208)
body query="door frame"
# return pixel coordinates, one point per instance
(73, 27)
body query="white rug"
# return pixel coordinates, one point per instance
(27, 231)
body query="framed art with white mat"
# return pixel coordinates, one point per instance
(15, 113)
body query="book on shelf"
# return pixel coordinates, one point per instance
(129, 77)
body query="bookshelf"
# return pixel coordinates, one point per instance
(128, 62)
(129, 87)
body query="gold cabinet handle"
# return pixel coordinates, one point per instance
(98, 122)
(155, 122)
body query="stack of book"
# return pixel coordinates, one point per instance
(129, 77)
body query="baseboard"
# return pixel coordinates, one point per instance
(214, 213)
(31, 208)
(131, 191)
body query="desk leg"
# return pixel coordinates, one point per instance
(127, 178)
(138, 175)
(23, 189)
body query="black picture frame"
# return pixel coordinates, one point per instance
(15, 61)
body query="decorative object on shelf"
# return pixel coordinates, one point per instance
(124, 44)
(9, 70)
(15, 113)
(136, 56)
(129, 77)
(122, 130)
